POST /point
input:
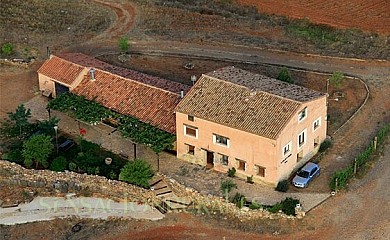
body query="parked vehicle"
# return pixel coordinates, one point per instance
(306, 174)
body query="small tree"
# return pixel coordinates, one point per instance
(137, 172)
(336, 79)
(123, 44)
(285, 76)
(17, 124)
(7, 49)
(227, 186)
(37, 150)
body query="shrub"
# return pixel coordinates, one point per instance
(239, 200)
(7, 49)
(336, 79)
(227, 186)
(72, 166)
(255, 205)
(282, 186)
(37, 150)
(249, 179)
(59, 164)
(231, 172)
(275, 208)
(285, 76)
(123, 44)
(288, 205)
(325, 145)
(137, 172)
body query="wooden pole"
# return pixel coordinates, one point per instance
(354, 166)
(337, 183)
(375, 142)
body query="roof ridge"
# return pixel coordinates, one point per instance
(258, 90)
(67, 61)
(141, 83)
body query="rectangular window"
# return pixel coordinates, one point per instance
(191, 131)
(241, 165)
(224, 160)
(316, 123)
(190, 149)
(316, 141)
(302, 138)
(302, 114)
(221, 140)
(287, 149)
(190, 118)
(260, 171)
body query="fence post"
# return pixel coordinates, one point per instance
(354, 166)
(336, 184)
(375, 142)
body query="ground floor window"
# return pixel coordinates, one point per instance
(224, 160)
(316, 141)
(190, 149)
(260, 171)
(241, 164)
(300, 156)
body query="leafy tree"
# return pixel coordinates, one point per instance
(137, 172)
(285, 76)
(7, 49)
(123, 44)
(37, 150)
(227, 186)
(59, 164)
(46, 127)
(336, 79)
(17, 124)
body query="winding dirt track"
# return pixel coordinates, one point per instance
(347, 209)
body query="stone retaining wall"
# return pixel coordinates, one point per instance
(63, 182)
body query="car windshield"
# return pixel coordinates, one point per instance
(303, 173)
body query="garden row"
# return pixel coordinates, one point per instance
(36, 145)
(340, 178)
(92, 112)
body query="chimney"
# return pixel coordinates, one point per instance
(193, 79)
(182, 93)
(92, 72)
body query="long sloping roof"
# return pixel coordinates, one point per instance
(245, 106)
(87, 61)
(150, 99)
(61, 70)
(148, 104)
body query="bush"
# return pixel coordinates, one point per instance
(282, 186)
(137, 172)
(239, 200)
(7, 49)
(255, 205)
(249, 179)
(123, 44)
(325, 145)
(285, 76)
(59, 164)
(287, 206)
(231, 172)
(72, 166)
(336, 79)
(227, 186)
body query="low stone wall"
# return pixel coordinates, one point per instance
(63, 182)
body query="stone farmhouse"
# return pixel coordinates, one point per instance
(261, 126)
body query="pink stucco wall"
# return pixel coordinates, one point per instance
(251, 148)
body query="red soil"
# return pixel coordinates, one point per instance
(371, 15)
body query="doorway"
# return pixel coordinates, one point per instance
(209, 159)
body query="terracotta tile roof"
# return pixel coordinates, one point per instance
(257, 82)
(146, 103)
(87, 61)
(61, 70)
(239, 106)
